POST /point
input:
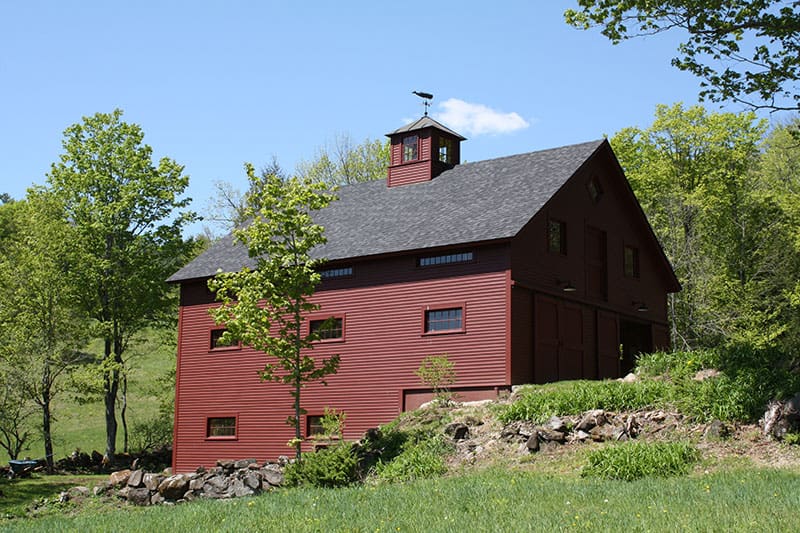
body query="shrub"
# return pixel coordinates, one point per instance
(541, 402)
(151, 434)
(677, 366)
(438, 372)
(418, 460)
(634, 460)
(336, 466)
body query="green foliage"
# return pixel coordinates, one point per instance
(152, 433)
(756, 43)
(792, 439)
(335, 466)
(538, 403)
(265, 307)
(634, 460)
(332, 422)
(343, 162)
(126, 213)
(419, 459)
(438, 372)
(720, 222)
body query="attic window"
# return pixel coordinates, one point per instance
(410, 148)
(557, 237)
(446, 259)
(341, 272)
(595, 190)
(631, 262)
(446, 150)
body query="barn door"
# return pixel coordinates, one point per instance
(596, 264)
(558, 340)
(607, 345)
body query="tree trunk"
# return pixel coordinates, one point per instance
(46, 432)
(123, 410)
(297, 385)
(111, 383)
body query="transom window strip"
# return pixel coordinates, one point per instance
(445, 259)
(341, 272)
(443, 319)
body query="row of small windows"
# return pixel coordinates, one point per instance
(439, 320)
(445, 259)
(341, 272)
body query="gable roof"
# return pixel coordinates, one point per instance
(472, 202)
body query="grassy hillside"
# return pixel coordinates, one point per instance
(82, 425)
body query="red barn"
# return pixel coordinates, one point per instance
(530, 268)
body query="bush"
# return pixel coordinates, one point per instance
(634, 460)
(418, 460)
(151, 434)
(677, 366)
(336, 466)
(571, 397)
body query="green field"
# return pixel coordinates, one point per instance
(490, 500)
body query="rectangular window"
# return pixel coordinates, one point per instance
(216, 341)
(221, 427)
(557, 237)
(445, 150)
(341, 272)
(410, 148)
(631, 262)
(440, 320)
(314, 425)
(328, 328)
(446, 259)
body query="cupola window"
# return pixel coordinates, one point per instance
(446, 150)
(410, 148)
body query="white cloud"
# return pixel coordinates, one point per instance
(478, 119)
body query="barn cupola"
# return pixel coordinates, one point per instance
(422, 150)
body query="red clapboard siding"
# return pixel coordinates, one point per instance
(383, 346)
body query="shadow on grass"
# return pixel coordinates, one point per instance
(18, 494)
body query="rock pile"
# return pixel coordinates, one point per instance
(229, 479)
(782, 418)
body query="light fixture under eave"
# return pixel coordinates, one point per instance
(641, 307)
(566, 286)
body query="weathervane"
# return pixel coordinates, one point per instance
(426, 97)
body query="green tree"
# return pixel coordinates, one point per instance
(43, 333)
(125, 210)
(746, 51)
(342, 161)
(691, 173)
(264, 308)
(15, 412)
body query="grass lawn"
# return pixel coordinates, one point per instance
(492, 500)
(20, 494)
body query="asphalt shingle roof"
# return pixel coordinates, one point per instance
(472, 202)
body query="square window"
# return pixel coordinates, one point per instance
(221, 427)
(410, 148)
(557, 237)
(216, 341)
(631, 262)
(439, 320)
(314, 425)
(331, 328)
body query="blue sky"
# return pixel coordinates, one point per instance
(215, 84)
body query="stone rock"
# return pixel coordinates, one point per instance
(457, 431)
(225, 465)
(283, 460)
(629, 378)
(119, 478)
(152, 481)
(139, 496)
(201, 470)
(706, 373)
(472, 421)
(135, 464)
(157, 498)
(101, 488)
(605, 432)
(63, 497)
(196, 484)
(252, 481)
(239, 490)
(590, 419)
(97, 458)
(550, 435)
(556, 424)
(716, 430)
(581, 435)
(78, 492)
(136, 478)
(123, 492)
(533, 443)
(189, 496)
(174, 487)
(167, 471)
(243, 463)
(272, 475)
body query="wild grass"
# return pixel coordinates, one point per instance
(538, 403)
(493, 500)
(18, 495)
(635, 460)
